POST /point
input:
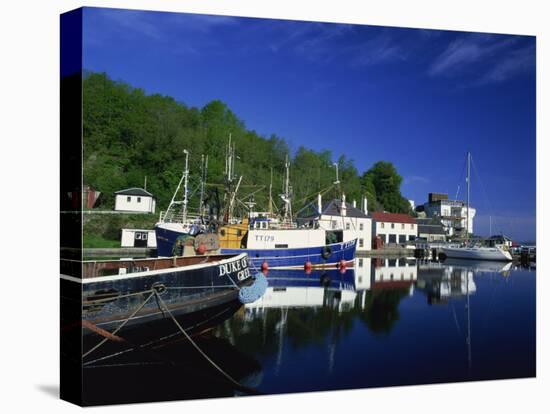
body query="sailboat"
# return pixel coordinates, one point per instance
(496, 253)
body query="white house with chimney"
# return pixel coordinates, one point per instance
(338, 215)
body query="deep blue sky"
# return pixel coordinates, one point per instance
(418, 98)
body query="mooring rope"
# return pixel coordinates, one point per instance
(164, 308)
(205, 356)
(140, 307)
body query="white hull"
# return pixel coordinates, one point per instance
(477, 253)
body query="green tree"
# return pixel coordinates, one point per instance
(387, 182)
(129, 135)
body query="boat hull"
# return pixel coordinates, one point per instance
(166, 236)
(472, 253)
(296, 258)
(198, 296)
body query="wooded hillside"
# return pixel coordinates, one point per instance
(129, 135)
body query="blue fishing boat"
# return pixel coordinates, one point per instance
(270, 241)
(323, 256)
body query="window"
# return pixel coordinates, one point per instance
(334, 224)
(412, 226)
(361, 227)
(281, 246)
(360, 242)
(222, 232)
(264, 225)
(360, 262)
(347, 226)
(138, 236)
(128, 199)
(139, 199)
(382, 225)
(393, 225)
(239, 233)
(402, 225)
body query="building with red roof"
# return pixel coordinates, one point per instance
(394, 228)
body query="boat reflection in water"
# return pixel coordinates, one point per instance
(295, 288)
(454, 277)
(331, 330)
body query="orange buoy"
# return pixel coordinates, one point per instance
(265, 267)
(342, 266)
(201, 249)
(307, 267)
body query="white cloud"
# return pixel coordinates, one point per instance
(489, 58)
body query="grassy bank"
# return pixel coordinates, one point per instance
(103, 230)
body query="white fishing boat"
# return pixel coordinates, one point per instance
(496, 253)
(178, 220)
(282, 244)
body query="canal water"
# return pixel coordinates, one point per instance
(386, 322)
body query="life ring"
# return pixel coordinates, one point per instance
(326, 252)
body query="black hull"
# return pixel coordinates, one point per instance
(136, 309)
(144, 339)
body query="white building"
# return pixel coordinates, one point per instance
(394, 228)
(452, 213)
(138, 238)
(354, 223)
(135, 199)
(395, 273)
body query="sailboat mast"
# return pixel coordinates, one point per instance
(468, 199)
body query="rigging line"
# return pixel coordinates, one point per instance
(461, 178)
(322, 192)
(483, 190)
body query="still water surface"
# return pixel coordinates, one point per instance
(387, 322)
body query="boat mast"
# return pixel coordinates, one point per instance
(286, 196)
(468, 199)
(230, 193)
(270, 194)
(186, 177)
(204, 168)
